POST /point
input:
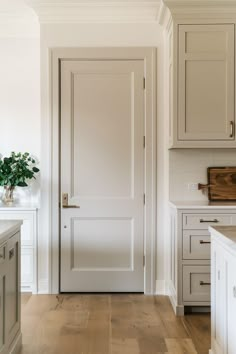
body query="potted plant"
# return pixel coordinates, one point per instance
(16, 170)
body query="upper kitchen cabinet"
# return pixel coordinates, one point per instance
(206, 84)
(201, 74)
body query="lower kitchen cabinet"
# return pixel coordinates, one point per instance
(10, 305)
(190, 258)
(28, 243)
(223, 278)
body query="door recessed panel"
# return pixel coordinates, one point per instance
(205, 96)
(101, 244)
(102, 131)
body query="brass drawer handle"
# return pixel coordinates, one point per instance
(203, 242)
(231, 129)
(204, 283)
(11, 253)
(214, 220)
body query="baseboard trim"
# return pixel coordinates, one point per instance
(178, 309)
(43, 286)
(16, 344)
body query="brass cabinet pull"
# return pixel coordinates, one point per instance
(231, 129)
(65, 202)
(203, 242)
(214, 220)
(11, 253)
(203, 283)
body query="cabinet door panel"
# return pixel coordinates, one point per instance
(219, 294)
(2, 313)
(12, 288)
(206, 82)
(231, 306)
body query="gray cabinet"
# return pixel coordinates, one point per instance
(201, 85)
(13, 287)
(189, 278)
(10, 334)
(3, 272)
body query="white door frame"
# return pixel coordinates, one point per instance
(148, 55)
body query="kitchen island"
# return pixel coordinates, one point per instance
(10, 306)
(223, 289)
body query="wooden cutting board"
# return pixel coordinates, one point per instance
(221, 183)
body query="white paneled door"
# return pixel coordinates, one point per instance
(102, 171)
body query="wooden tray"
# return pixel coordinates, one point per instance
(221, 183)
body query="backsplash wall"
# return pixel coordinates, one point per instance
(190, 166)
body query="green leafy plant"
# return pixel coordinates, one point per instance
(16, 169)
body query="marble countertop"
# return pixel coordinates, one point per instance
(7, 228)
(202, 205)
(225, 234)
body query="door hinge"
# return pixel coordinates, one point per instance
(144, 83)
(144, 259)
(144, 142)
(144, 199)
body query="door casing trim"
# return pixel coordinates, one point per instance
(149, 57)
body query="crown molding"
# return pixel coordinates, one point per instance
(171, 10)
(95, 11)
(164, 16)
(172, 4)
(205, 8)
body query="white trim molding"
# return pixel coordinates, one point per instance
(161, 287)
(64, 11)
(194, 9)
(148, 55)
(43, 286)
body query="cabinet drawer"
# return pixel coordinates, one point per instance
(196, 283)
(196, 244)
(202, 221)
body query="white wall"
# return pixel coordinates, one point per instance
(98, 35)
(190, 166)
(20, 102)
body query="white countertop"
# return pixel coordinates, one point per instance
(8, 228)
(202, 205)
(17, 206)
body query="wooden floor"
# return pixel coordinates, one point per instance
(110, 324)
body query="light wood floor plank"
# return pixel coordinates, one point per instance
(110, 324)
